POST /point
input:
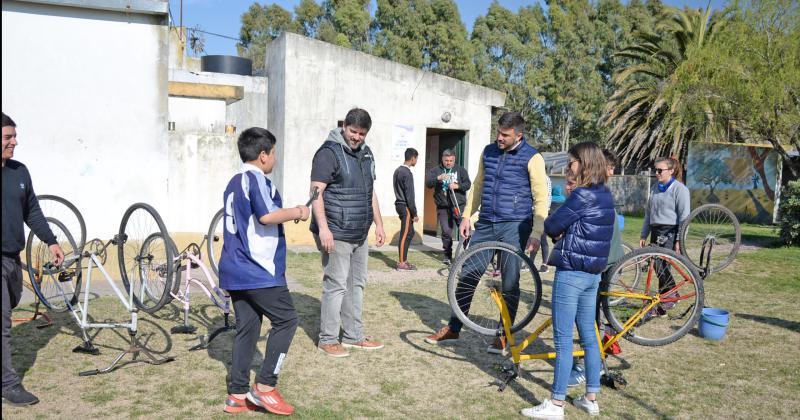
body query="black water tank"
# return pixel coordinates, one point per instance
(229, 64)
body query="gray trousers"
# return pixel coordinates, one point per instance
(12, 292)
(343, 281)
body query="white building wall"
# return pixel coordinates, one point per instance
(87, 91)
(203, 157)
(322, 82)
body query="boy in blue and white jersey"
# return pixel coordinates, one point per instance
(252, 268)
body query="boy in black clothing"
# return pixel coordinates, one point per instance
(252, 268)
(403, 181)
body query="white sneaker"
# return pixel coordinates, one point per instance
(545, 410)
(590, 407)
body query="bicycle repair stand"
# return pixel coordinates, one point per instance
(47, 321)
(135, 347)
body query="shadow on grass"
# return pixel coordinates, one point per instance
(429, 311)
(388, 261)
(26, 339)
(789, 325)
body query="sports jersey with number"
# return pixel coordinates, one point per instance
(253, 254)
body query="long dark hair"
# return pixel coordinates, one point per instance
(593, 164)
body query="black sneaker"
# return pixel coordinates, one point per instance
(446, 261)
(18, 396)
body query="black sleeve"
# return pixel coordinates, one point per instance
(34, 217)
(430, 178)
(465, 183)
(408, 187)
(324, 166)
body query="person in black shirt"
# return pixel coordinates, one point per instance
(19, 206)
(450, 183)
(403, 181)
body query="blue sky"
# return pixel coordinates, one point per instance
(223, 16)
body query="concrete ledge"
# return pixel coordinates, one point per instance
(203, 90)
(147, 7)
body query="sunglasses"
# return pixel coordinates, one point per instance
(659, 170)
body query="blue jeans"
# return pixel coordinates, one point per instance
(575, 302)
(512, 233)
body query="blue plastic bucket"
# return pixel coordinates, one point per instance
(713, 323)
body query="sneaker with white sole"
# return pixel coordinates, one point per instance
(546, 410)
(577, 375)
(588, 406)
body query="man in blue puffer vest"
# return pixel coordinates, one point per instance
(510, 192)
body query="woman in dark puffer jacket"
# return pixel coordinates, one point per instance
(583, 226)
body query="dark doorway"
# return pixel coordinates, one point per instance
(436, 141)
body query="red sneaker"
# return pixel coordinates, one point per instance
(235, 405)
(271, 401)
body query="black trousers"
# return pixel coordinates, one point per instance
(664, 236)
(447, 219)
(250, 306)
(406, 232)
(12, 292)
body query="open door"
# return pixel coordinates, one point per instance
(436, 141)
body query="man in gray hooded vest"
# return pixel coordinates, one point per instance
(343, 170)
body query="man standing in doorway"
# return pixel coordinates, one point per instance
(19, 206)
(343, 170)
(450, 183)
(404, 203)
(510, 192)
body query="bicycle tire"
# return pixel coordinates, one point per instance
(214, 241)
(485, 317)
(72, 222)
(153, 279)
(711, 221)
(655, 328)
(48, 290)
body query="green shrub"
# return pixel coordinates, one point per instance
(790, 213)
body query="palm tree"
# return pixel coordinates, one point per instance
(641, 115)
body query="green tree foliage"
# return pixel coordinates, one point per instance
(746, 86)
(509, 56)
(427, 34)
(260, 25)
(790, 213)
(346, 23)
(642, 118)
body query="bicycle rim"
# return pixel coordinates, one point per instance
(711, 222)
(56, 287)
(146, 257)
(483, 268)
(215, 239)
(680, 303)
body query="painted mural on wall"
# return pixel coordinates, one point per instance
(740, 177)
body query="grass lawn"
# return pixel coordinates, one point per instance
(752, 373)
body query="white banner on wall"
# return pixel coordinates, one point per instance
(402, 139)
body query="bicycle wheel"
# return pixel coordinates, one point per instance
(482, 269)
(625, 300)
(66, 213)
(146, 257)
(214, 240)
(56, 287)
(715, 224)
